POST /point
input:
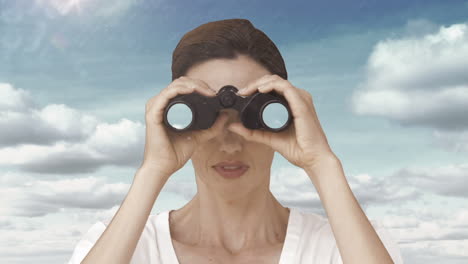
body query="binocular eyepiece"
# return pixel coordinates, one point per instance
(267, 111)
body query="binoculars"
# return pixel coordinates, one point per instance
(267, 111)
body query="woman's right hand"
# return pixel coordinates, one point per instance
(167, 151)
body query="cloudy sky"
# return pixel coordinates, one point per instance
(390, 86)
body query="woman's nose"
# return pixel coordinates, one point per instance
(230, 141)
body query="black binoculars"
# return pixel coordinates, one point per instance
(267, 111)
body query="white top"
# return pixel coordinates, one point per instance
(309, 239)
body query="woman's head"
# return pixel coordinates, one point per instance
(220, 53)
(225, 39)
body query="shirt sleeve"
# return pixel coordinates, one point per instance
(85, 244)
(387, 239)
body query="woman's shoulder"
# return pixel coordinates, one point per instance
(145, 250)
(316, 232)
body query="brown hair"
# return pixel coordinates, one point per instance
(226, 39)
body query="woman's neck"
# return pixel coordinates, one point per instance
(234, 225)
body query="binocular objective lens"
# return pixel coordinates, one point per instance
(179, 116)
(275, 115)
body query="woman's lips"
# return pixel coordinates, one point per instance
(223, 168)
(233, 173)
(231, 163)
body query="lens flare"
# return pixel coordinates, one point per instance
(63, 7)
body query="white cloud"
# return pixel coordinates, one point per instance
(17, 100)
(293, 186)
(450, 180)
(121, 142)
(460, 219)
(59, 139)
(22, 122)
(430, 236)
(418, 80)
(27, 196)
(50, 238)
(67, 120)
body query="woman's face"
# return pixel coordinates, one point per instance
(228, 145)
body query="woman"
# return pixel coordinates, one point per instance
(235, 220)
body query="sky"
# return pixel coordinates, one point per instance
(390, 87)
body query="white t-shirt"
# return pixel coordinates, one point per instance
(309, 239)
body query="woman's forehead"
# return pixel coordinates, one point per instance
(217, 73)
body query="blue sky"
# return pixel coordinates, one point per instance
(389, 85)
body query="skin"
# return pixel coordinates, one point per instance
(224, 214)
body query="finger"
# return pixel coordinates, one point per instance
(252, 87)
(303, 110)
(256, 135)
(199, 85)
(305, 94)
(160, 102)
(182, 85)
(292, 95)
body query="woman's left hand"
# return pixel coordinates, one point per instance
(304, 143)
